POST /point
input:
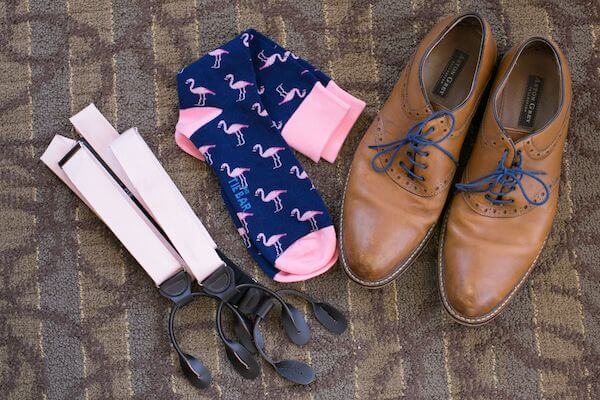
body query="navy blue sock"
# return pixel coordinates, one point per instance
(241, 107)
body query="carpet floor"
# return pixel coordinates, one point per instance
(78, 317)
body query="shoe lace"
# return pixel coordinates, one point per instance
(507, 179)
(417, 139)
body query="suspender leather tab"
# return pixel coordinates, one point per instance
(221, 283)
(177, 288)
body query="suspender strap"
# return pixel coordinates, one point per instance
(157, 225)
(80, 170)
(166, 204)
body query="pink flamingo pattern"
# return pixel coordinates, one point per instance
(295, 170)
(270, 152)
(307, 216)
(268, 61)
(289, 96)
(276, 125)
(259, 110)
(205, 151)
(244, 234)
(272, 196)
(272, 241)
(234, 129)
(239, 86)
(261, 90)
(199, 90)
(217, 54)
(246, 38)
(236, 173)
(242, 216)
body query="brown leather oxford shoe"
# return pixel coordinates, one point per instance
(404, 165)
(502, 214)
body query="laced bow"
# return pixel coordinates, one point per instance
(417, 139)
(508, 179)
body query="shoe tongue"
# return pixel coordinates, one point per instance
(438, 107)
(516, 134)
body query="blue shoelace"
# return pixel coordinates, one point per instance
(417, 139)
(508, 179)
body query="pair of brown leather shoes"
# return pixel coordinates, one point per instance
(501, 213)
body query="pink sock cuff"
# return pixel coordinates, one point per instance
(313, 124)
(333, 146)
(190, 120)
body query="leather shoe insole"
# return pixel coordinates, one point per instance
(531, 95)
(449, 69)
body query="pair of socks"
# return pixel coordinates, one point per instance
(243, 107)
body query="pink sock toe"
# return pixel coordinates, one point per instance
(285, 277)
(186, 145)
(190, 120)
(309, 253)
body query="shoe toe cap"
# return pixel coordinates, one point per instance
(373, 258)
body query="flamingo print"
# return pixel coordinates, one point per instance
(242, 216)
(261, 89)
(244, 234)
(276, 125)
(259, 110)
(270, 152)
(239, 85)
(307, 216)
(234, 128)
(236, 173)
(204, 150)
(246, 38)
(295, 170)
(199, 90)
(289, 96)
(272, 241)
(268, 61)
(217, 55)
(272, 196)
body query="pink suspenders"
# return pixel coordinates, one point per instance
(118, 177)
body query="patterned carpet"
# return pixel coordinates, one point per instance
(78, 317)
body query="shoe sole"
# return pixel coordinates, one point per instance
(489, 316)
(398, 271)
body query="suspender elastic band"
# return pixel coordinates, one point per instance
(167, 205)
(90, 181)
